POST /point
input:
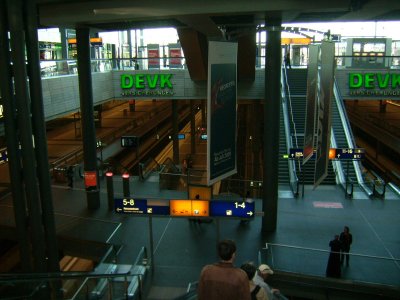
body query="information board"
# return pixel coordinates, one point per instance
(334, 153)
(185, 208)
(142, 206)
(240, 209)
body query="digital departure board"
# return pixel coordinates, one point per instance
(185, 208)
(239, 209)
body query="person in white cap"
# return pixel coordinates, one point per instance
(259, 279)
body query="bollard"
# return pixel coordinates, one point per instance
(110, 190)
(125, 184)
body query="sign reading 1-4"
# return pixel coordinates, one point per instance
(147, 85)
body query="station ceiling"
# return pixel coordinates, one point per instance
(210, 17)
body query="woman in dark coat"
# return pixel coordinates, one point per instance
(333, 267)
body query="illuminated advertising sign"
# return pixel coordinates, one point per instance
(1, 112)
(374, 84)
(189, 208)
(146, 85)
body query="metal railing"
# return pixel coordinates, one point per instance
(102, 283)
(308, 262)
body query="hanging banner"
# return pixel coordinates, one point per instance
(153, 55)
(312, 77)
(175, 56)
(221, 110)
(324, 111)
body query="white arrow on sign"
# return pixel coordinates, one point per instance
(250, 213)
(119, 209)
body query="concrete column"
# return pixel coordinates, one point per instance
(271, 122)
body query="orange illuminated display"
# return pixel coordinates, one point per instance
(200, 208)
(189, 208)
(332, 153)
(180, 208)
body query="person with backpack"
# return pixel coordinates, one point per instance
(260, 278)
(256, 291)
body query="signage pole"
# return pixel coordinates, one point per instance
(151, 242)
(218, 230)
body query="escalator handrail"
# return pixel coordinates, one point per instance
(289, 143)
(349, 137)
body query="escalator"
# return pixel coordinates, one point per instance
(297, 91)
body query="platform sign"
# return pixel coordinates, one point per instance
(181, 136)
(350, 154)
(141, 206)
(334, 153)
(295, 153)
(238, 209)
(129, 141)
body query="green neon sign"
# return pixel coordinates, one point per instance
(373, 80)
(146, 81)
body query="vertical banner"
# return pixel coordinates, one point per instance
(312, 77)
(175, 56)
(221, 110)
(153, 55)
(324, 111)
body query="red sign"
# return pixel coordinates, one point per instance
(154, 58)
(90, 179)
(175, 57)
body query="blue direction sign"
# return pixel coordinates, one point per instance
(239, 209)
(140, 206)
(350, 153)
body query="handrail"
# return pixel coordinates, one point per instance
(289, 143)
(396, 260)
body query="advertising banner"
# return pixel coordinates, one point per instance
(90, 179)
(222, 111)
(312, 77)
(175, 56)
(153, 55)
(324, 111)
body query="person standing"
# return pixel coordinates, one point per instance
(346, 239)
(70, 176)
(287, 60)
(222, 280)
(333, 267)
